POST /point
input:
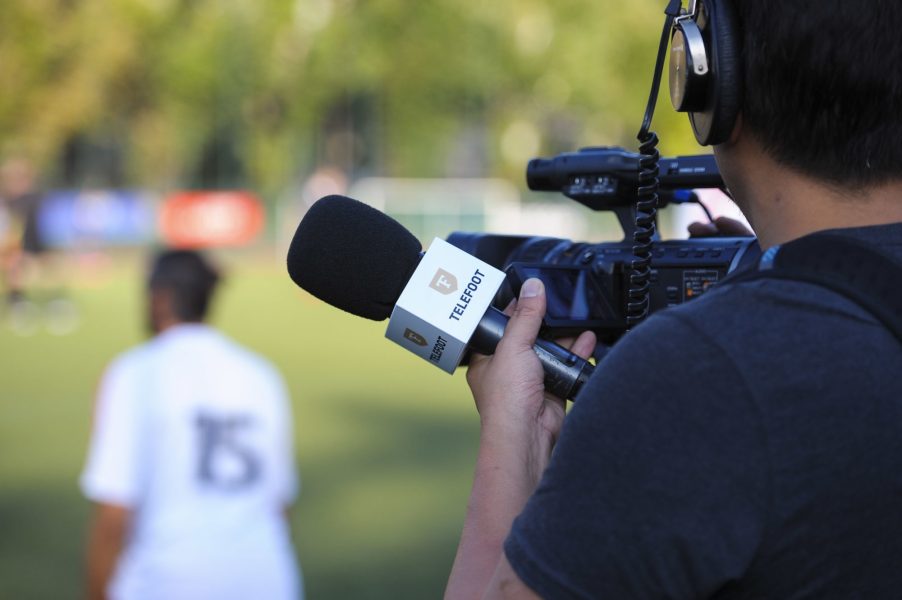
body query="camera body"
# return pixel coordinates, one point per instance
(587, 284)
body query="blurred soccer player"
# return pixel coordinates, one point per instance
(191, 461)
(29, 267)
(21, 243)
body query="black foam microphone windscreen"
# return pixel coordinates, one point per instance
(353, 257)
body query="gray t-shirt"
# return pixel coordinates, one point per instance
(747, 444)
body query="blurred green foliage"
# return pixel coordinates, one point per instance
(424, 83)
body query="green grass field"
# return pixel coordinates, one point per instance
(385, 442)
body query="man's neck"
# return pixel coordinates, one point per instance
(781, 215)
(170, 324)
(782, 204)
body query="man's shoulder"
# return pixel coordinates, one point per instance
(747, 327)
(744, 304)
(195, 342)
(764, 336)
(207, 340)
(764, 307)
(131, 361)
(244, 359)
(249, 356)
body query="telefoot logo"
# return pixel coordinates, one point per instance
(444, 282)
(416, 338)
(464, 301)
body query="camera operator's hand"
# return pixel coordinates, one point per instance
(508, 386)
(520, 424)
(721, 226)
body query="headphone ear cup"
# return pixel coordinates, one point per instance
(715, 123)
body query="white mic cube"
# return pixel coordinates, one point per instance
(442, 304)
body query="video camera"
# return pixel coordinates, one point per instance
(588, 285)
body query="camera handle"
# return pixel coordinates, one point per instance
(626, 216)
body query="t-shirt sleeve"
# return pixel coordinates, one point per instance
(658, 486)
(112, 473)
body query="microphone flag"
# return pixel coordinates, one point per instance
(442, 304)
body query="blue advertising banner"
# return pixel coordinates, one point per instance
(81, 218)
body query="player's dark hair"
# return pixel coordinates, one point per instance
(823, 86)
(188, 277)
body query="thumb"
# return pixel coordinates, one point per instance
(524, 325)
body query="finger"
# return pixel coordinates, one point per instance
(584, 345)
(570, 342)
(559, 405)
(698, 229)
(475, 357)
(509, 309)
(524, 324)
(728, 226)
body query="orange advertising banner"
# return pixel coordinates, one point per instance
(209, 219)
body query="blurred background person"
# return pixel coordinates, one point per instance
(191, 459)
(22, 242)
(29, 270)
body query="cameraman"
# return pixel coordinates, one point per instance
(747, 444)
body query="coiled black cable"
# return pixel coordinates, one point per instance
(644, 234)
(647, 197)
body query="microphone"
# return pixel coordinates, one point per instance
(362, 261)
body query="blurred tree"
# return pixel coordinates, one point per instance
(232, 92)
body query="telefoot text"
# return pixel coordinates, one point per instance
(466, 296)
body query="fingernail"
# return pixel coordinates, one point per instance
(531, 288)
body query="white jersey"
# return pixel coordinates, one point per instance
(193, 433)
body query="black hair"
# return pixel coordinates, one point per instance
(823, 86)
(188, 277)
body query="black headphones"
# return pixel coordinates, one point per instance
(705, 69)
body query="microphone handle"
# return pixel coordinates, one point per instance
(565, 372)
